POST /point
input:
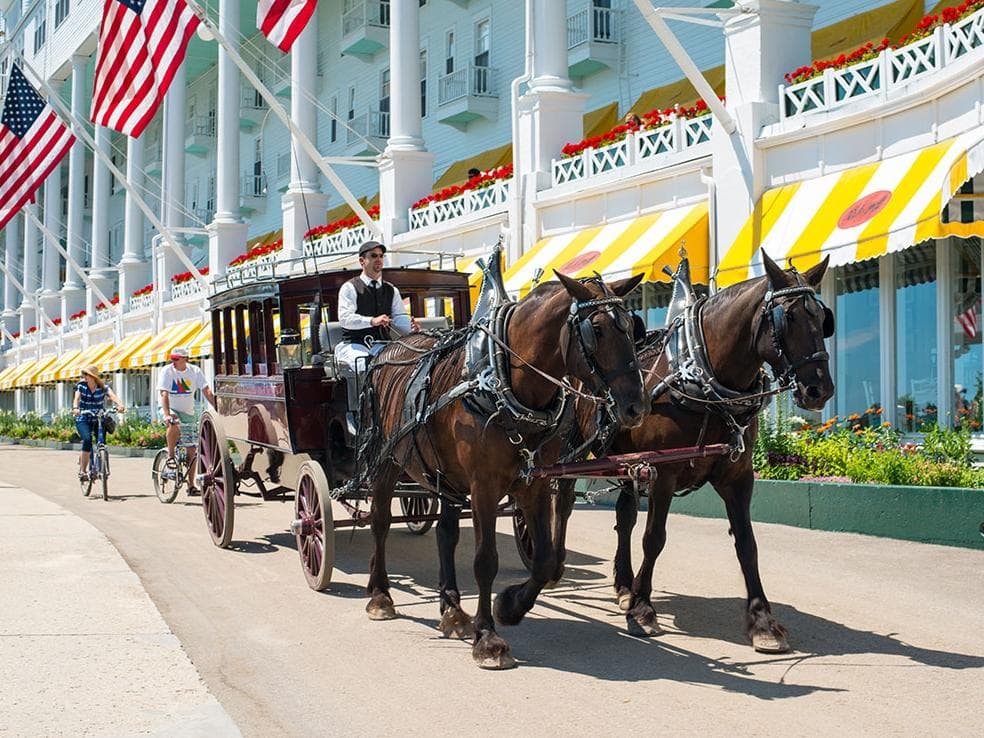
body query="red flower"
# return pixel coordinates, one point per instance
(56, 321)
(486, 179)
(32, 329)
(79, 314)
(341, 224)
(15, 334)
(145, 290)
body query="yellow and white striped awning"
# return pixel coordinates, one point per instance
(29, 377)
(200, 344)
(858, 213)
(7, 373)
(64, 360)
(618, 250)
(11, 373)
(159, 348)
(72, 371)
(123, 352)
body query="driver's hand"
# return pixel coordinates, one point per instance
(120, 409)
(414, 324)
(381, 320)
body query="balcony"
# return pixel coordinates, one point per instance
(365, 28)
(253, 191)
(200, 134)
(345, 241)
(467, 95)
(252, 108)
(367, 133)
(594, 38)
(488, 200)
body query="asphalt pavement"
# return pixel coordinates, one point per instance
(121, 618)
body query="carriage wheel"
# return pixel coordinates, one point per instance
(218, 479)
(313, 526)
(524, 542)
(414, 506)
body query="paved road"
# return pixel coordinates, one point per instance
(889, 635)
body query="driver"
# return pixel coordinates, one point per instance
(367, 307)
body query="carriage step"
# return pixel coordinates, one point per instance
(278, 491)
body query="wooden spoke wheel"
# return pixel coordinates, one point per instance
(313, 526)
(524, 541)
(414, 506)
(218, 479)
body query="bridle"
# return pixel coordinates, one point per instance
(580, 324)
(774, 312)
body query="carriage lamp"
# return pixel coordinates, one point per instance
(289, 350)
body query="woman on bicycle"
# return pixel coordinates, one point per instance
(90, 395)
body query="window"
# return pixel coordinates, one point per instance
(61, 11)
(423, 84)
(334, 118)
(40, 29)
(351, 103)
(210, 201)
(257, 188)
(857, 339)
(483, 44)
(916, 360)
(449, 52)
(968, 392)
(602, 19)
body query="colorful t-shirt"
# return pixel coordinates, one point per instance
(181, 386)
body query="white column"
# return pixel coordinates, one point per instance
(173, 174)
(227, 235)
(101, 191)
(134, 268)
(11, 297)
(29, 281)
(760, 46)
(408, 172)
(303, 204)
(550, 48)
(51, 260)
(73, 292)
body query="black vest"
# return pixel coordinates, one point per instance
(370, 302)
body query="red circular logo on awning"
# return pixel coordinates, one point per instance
(864, 209)
(579, 262)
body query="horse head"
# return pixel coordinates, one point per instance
(598, 344)
(794, 324)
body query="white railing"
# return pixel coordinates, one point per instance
(679, 135)
(254, 185)
(201, 126)
(143, 302)
(251, 98)
(346, 240)
(75, 324)
(470, 202)
(371, 124)
(471, 80)
(101, 316)
(252, 270)
(593, 24)
(185, 289)
(891, 69)
(370, 13)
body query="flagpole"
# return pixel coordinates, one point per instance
(309, 148)
(82, 132)
(72, 263)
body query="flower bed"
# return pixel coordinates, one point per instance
(77, 316)
(869, 51)
(340, 224)
(187, 276)
(145, 290)
(132, 431)
(114, 300)
(257, 252)
(486, 179)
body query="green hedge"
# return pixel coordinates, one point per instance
(133, 430)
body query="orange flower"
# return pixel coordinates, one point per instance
(854, 416)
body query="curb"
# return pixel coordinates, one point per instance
(124, 451)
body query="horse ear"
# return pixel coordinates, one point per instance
(777, 278)
(574, 288)
(625, 286)
(814, 275)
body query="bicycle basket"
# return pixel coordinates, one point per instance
(109, 424)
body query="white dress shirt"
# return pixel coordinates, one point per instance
(351, 320)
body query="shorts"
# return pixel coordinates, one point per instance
(188, 427)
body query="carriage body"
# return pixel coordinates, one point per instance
(281, 401)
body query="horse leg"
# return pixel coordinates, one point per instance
(563, 506)
(517, 600)
(641, 616)
(454, 621)
(489, 650)
(380, 606)
(626, 514)
(765, 632)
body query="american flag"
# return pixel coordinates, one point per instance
(282, 21)
(33, 140)
(141, 45)
(968, 321)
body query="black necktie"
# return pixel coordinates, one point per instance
(372, 283)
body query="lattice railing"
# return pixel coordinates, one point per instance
(101, 316)
(469, 202)
(185, 289)
(679, 135)
(346, 240)
(143, 302)
(891, 69)
(75, 324)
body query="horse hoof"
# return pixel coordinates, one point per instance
(624, 597)
(381, 607)
(491, 652)
(496, 663)
(506, 608)
(456, 624)
(770, 643)
(642, 622)
(556, 578)
(551, 584)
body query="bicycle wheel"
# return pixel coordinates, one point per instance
(166, 489)
(104, 471)
(86, 484)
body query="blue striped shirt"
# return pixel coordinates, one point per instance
(91, 400)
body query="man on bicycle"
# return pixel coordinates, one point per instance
(177, 386)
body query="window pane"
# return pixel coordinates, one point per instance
(966, 265)
(857, 341)
(915, 337)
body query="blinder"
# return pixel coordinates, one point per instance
(776, 314)
(588, 338)
(828, 321)
(638, 330)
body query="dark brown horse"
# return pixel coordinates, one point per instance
(463, 451)
(775, 320)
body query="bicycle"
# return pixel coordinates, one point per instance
(166, 486)
(99, 458)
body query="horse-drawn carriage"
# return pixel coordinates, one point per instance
(289, 411)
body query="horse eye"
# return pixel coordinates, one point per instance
(597, 329)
